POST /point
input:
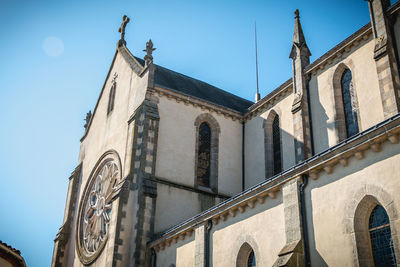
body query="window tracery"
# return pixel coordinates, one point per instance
(96, 207)
(204, 155)
(206, 152)
(349, 103)
(251, 261)
(381, 238)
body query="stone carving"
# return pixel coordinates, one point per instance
(96, 210)
(148, 58)
(121, 29)
(87, 119)
(114, 79)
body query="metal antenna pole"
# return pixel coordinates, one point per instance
(255, 37)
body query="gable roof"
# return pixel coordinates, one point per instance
(181, 83)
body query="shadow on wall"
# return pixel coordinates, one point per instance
(338, 194)
(321, 124)
(234, 240)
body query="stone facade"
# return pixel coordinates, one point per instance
(314, 212)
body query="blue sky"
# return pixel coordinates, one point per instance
(55, 56)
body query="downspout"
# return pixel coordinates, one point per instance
(309, 114)
(243, 178)
(304, 219)
(207, 245)
(153, 261)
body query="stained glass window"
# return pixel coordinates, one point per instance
(204, 155)
(276, 141)
(251, 261)
(381, 238)
(349, 104)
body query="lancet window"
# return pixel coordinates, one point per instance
(349, 103)
(381, 238)
(204, 155)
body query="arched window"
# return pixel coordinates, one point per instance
(272, 145)
(111, 98)
(204, 155)
(246, 256)
(276, 140)
(206, 152)
(381, 238)
(349, 103)
(251, 261)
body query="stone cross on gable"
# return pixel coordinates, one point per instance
(121, 29)
(148, 58)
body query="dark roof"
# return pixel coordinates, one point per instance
(189, 86)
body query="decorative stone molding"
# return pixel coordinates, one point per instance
(106, 174)
(241, 251)
(196, 102)
(268, 142)
(339, 114)
(215, 132)
(269, 100)
(356, 219)
(64, 232)
(356, 146)
(341, 50)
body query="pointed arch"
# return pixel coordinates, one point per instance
(206, 152)
(111, 98)
(358, 216)
(272, 144)
(347, 115)
(242, 248)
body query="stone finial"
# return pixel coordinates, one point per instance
(87, 119)
(121, 29)
(296, 14)
(299, 40)
(148, 58)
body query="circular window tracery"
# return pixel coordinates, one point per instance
(96, 208)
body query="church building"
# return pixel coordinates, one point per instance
(174, 172)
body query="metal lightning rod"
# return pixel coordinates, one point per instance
(255, 37)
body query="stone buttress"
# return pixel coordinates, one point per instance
(385, 57)
(300, 55)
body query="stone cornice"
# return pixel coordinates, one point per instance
(195, 102)
(338, 52)
(354, 147)
(269, 100)
(189, 188)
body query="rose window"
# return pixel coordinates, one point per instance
(96, 209)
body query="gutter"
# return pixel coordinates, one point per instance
(363, 139)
